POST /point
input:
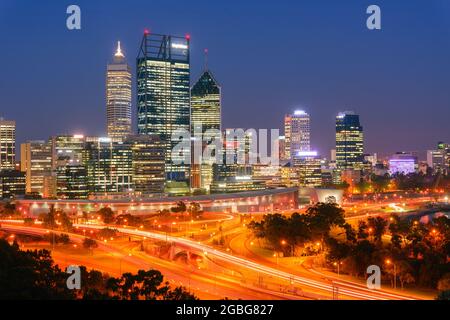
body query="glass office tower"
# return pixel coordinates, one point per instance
(349, 141)
(205, 115)
(297, 132)
(7, 144)
(163, 94)
(206, 103)
(118, 96)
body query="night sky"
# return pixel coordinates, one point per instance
(271, 57)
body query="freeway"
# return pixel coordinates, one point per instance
(204, 283)
(346, 289)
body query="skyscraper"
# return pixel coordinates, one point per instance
(36, 162)
(206, 103)
(148, 163)
(309, 166)
(118, 96)
(205, 115)
(297, 133)
(349, 141)
(7, 144)
(108, 165)
(71, 174)
(163, 94)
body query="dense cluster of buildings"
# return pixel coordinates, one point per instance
(125, 164)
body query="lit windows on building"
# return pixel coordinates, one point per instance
(7, 144)
(403, 163)
(205, 115)
(206, 103)
(148, 162)
(297, 133)
(309, 167)
(108, 165)
(349, 142)
(118, 96)
(163, 94)
(36, 160)
(12, 184)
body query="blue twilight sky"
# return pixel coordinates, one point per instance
(270, 57)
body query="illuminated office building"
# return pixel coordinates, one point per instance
(282, 148)
(403, 163)
(36, 162)
(118, 96)
(12, 184)
(439, 159)
(309, 166)
(7, 144)
(205, 115)
(72, 182)
(297, 133)
(235, 173)
(71, 174)
(163, 94)
(109, 166)
(206, 103)
(148, 163)
(349, 142)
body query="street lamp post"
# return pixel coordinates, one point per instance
(337, 264)
(388, 261)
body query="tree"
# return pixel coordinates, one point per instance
(378, 226)
(107, 233)
(444, 283)
(337, 251)
(195, 210)
(322, 217)
(64, 238)
(443, 295)
(257, 228)
(64, 221)
(30, 275)
(180, 207)
(362, 233)
(363, 186)
(89, 243)
(9, 209)
(380, 183)
(49, 219)
(106, 214)
(148, 285)
(56, 220)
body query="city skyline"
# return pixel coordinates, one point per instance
(250, 151)
(384, 99)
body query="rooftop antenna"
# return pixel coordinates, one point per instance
(119, 53)
(206, 58)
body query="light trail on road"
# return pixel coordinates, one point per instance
(350, 290)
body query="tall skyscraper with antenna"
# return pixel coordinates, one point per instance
(163, 96)
(118, 96)
(206, 101)
(205, 115)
